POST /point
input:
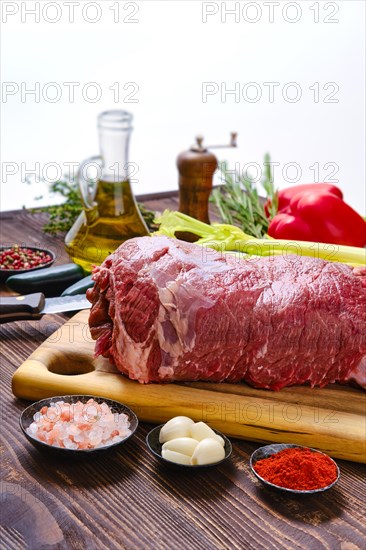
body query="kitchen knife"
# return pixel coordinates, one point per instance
(33, 306)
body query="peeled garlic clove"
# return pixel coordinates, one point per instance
(220, 439)
(208, 451)
(200, 431)
(179, 426)
(178, 458)
(184, 445)
(176, 419)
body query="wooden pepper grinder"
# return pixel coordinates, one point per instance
(196, 169)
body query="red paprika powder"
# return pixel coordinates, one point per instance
(298, 468)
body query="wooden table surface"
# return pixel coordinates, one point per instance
(127, 500)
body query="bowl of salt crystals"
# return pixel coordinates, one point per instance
(78, 425)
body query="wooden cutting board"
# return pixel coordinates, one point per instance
(331, 419)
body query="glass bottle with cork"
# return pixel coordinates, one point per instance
(110, 214)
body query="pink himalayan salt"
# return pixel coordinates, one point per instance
(79, 426)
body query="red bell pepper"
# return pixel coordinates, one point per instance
(316, 212)
(285, 195)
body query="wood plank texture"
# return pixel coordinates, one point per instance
(128, 501)
(64, 364)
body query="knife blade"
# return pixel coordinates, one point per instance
(33, 306)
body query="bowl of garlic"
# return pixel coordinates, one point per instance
(185, 444)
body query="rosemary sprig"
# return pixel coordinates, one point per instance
(149, 217)
(62, 216)
(238, 201)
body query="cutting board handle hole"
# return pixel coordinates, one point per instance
(70, 368)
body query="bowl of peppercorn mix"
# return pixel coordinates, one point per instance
(294, 469)
(22, 259)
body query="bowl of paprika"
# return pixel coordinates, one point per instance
(294, 469)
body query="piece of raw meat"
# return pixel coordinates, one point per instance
(164, 310)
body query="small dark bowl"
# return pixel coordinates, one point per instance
(26, 419)
(268, 450)
(154, 446)
(5, 273)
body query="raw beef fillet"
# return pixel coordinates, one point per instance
(166, 310)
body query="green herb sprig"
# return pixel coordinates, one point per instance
(62, 216)
(238, 201)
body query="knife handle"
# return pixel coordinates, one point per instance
(17, 308)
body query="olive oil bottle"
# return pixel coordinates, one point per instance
(110, 215)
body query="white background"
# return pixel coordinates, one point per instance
(169, 53)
